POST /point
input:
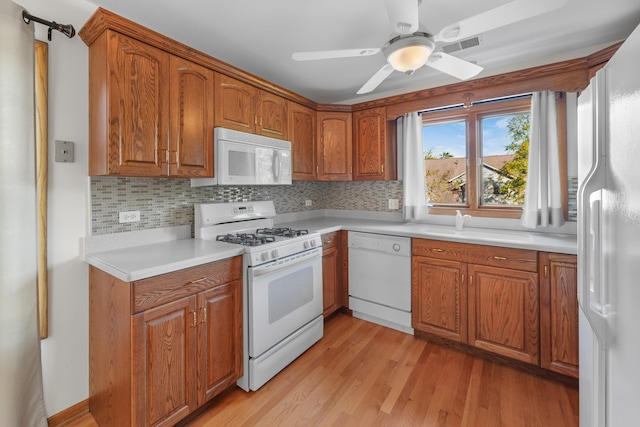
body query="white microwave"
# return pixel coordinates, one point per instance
(247, 159)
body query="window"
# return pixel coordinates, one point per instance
(476, 159)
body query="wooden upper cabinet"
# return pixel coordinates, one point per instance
(302, 134)
(191, 108)
(271, 115)
(374, 149)
(235, 104)
(559, 313)
(334, 146)
(243, 107)
(128, 107)
(150, 113)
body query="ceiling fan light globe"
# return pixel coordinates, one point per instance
(409, 58)
(407, 54)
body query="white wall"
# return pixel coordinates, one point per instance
(65, 353)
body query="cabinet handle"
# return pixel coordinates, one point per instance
(382, 168)
(500, 258)
(436, 250)
(470, 280)
(463, 278)
(545, 271)
(202, 279)
(317, 169)
(204, 314)
(195, 319)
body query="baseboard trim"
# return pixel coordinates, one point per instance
(69, 414)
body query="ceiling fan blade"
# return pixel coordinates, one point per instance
(509, 13)
(453, 66)
(403, 15)
(331, 54)
(377, 78)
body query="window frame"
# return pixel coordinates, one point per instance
(472, 117)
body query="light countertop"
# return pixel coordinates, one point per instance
(138, 255)
(561, 243)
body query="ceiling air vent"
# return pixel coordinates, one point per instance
(462, 44)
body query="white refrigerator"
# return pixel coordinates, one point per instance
(609, 241)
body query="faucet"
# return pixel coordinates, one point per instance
(461, 219)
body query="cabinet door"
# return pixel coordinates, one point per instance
(439, 297)
(164, 357)
(334, 146)
(331, 269)
(220, 340)
(503, 312)
(138, 117)
(271, 115)
(235, 104)
(191, 109)
(302, 133)
(370, 144)
(559, 313)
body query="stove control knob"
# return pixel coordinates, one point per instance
(307, 245)
(265, 256)
(313, 243)
(396, 247)
(274, 253)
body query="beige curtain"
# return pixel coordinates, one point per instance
(21, 394)
(543, 195)
(414, 194)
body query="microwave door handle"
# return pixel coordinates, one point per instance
(276, 165)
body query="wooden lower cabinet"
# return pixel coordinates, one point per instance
(559, 313)
(503, 312)
(483, 296)
(165, 343)
(439, 297)
(331, 273)
(161, 347)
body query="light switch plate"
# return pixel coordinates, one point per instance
(393, 204)
(64, 151)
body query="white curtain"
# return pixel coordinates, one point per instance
(21, 394)
(414, 194)
(543, 200)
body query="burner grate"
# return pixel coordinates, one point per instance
(281, 231)
(247, 239)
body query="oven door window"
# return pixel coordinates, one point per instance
(282, 301)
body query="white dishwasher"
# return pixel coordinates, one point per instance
(380, 279)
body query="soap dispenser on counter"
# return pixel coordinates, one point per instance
(461, 219)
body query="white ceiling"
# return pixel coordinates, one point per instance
(259, 36)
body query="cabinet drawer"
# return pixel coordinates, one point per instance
(157, 290)
(516, 259)
(329, 240)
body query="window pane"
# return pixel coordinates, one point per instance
(505, 148)
(445, 152)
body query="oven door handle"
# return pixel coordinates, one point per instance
(274, 266)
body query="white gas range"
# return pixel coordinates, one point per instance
(282, 286)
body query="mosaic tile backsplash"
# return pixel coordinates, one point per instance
(165, 202)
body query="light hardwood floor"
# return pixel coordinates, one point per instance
(362, 374)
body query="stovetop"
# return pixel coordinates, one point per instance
(251, 224)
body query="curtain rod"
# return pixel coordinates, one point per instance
(67, 30)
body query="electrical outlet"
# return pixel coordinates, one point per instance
(393, 204)
(308, 203)
(130, 216)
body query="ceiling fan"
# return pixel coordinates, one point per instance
(409, 48)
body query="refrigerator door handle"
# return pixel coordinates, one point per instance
(592, 290)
